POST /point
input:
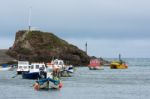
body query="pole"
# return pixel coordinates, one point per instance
(86, 47)
(29, 21)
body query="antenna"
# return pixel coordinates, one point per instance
(86, 47)
(119, 56)
(29, 18)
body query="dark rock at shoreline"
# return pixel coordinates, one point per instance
(37, 46)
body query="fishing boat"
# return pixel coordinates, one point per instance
(34, 71)
(95, 64)
(120, 64)
(23, 66)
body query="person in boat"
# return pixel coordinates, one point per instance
(56, 73)
(42, 73)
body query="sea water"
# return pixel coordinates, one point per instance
(131, 83)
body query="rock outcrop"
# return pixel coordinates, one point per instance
(37, 46)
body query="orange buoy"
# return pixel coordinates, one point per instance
(36, 86)
(60, 85)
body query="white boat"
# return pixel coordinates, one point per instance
(23, 66)
(59, 66)
(4, 68)
(56, 65)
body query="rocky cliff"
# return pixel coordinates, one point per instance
(40, 46)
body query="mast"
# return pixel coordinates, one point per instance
(86, 47)
(119, 56)
(29, 21)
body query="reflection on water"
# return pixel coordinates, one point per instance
(132, 83)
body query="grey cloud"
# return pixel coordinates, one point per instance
(80, 20)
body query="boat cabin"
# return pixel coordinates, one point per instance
(35, 67)
(94, 63)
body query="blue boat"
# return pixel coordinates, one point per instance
(35, 71)
(28, 75)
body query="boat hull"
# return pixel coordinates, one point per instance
(47, 83)
(27, 75)
(19, 72)
(66, 73)
(95, 68)
(5, 68)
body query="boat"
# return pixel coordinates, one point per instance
(28, 75)
(34, 71)
(4, 68)
(120, 64)
(95, 64)
(59, 66)
(70, 68)
(23, 66)
(67, 71)
(52, 81)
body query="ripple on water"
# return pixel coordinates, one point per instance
(132, 83)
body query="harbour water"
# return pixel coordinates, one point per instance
(131, 83)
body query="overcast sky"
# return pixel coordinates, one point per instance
(109, 26)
